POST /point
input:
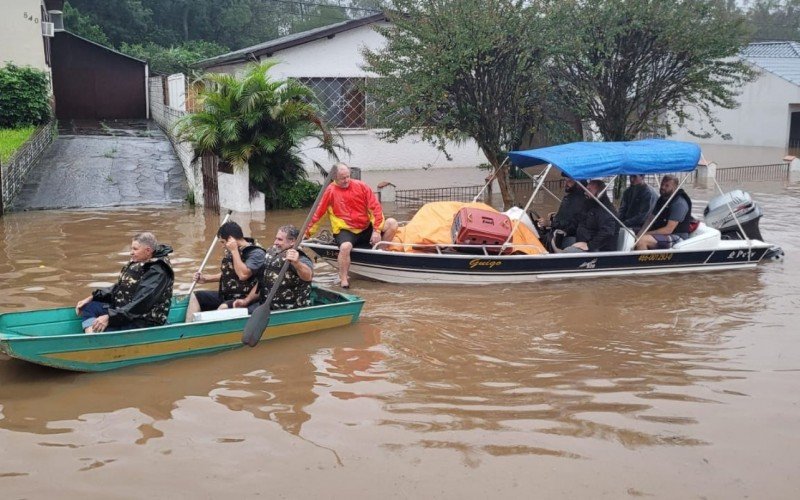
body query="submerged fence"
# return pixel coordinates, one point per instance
(773, 172)
(523, 188)
(419, 197)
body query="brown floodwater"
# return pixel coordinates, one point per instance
(683, 386)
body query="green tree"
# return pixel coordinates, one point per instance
(458, 69)
(176, 59)
(121, 20)
(625, 66)
(82, 25)
(258, 121)
(775, 20)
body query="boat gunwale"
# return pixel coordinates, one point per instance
(22, 337)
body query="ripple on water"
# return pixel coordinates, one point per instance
(565, 369)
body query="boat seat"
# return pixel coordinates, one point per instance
(625, 240)
(703, 238)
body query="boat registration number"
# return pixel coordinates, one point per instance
(655, 257)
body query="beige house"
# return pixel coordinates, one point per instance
(25, 32)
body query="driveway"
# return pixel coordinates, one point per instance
(105, 164)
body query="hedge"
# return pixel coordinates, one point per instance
(24, 97)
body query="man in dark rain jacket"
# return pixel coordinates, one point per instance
(637, 202)
(597, 231)
(570, 212)
(143, 293)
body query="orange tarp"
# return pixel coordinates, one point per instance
(431, 225)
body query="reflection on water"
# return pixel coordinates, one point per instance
(589, 374)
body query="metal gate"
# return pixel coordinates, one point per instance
(210, 186)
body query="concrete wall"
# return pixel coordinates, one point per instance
(234, 192)
(340, 57)
(762, 119)
(233, 188)
(166, 117)
(21, 34)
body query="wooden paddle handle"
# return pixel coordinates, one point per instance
(259, 320)
(208, 254)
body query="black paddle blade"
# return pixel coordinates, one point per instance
(256, 325)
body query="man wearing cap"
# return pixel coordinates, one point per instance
(570, 212)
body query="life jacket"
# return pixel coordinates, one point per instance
(128, 282)
(293, 292)
(230, 286)
(663, 218)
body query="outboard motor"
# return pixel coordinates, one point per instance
(717, 214)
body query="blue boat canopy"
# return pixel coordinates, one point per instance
(587, 160)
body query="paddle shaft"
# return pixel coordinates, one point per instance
(259, 320)
(208, 254)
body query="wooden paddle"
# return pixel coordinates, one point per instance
(208, 254)
(259, 320)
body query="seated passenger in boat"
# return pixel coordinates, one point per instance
(356, 218)
(637, 202)
(671, 224)
(143, 293)
(597, 230)
(239, 269)
(295, 288)
(569, 214)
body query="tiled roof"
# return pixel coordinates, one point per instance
(268, 48)
(779, 58)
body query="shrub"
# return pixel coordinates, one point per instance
(301, 194)
(24, 97)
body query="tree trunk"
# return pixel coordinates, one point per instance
(501, 174)
(210, 183)
(186, 22)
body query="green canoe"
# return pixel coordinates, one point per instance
(53, 337)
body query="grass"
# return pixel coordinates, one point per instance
(11, 139)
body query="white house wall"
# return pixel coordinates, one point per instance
(341, 57)
(368, 152)
(21, 34)
(335, 57)
(762, 119)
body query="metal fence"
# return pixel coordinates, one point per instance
(523, 188)
(775, 171)
(418, 197)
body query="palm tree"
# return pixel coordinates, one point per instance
(257, 121)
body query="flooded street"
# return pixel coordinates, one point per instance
(677, 386)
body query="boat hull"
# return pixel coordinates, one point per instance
(53, 337)
(445, 268)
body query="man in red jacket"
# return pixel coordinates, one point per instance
(356, 217)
